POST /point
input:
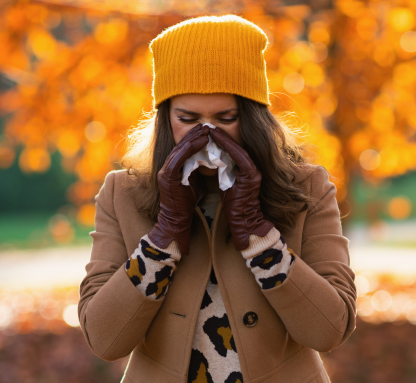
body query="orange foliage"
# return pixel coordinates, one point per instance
(82, 77)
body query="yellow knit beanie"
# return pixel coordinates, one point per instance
(211, 54)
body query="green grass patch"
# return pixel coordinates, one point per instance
(33, 230)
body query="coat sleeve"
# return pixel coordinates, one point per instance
(113, 314)
(317, 301)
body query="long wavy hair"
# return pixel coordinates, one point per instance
(272, 146)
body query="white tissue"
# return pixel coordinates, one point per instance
(213, 157)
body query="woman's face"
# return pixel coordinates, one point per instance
(219, 109)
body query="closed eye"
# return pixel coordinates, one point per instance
(227, 120)
(188, 120)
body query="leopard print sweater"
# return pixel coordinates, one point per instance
(214, 357)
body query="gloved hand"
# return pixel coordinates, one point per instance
(177, 201)
(241, 202)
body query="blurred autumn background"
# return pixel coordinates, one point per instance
(75, 75)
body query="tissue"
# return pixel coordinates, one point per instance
(213, 157)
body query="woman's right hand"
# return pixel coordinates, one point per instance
(177, 201)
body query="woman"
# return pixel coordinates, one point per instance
(201, 284)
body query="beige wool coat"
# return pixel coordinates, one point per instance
(312, 311)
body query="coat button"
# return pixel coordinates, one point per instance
(250, 319)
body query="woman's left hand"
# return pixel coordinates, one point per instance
(241, 201)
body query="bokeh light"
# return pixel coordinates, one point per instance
(33, 160)
(401, 19)
(293, 83)
(86, 214)
(362, 284)
(112, 32)
(70, 315)
(370, 159)
(68, 144)
(408, 41)
(364, 307)
(400, 207)
(381, 300)
(95, 131)
(5, 316)
(23, 303)
(49, 309)
(61, 228)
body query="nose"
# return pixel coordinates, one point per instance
(211, 126)
(205, 121)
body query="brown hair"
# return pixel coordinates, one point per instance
(269, 142)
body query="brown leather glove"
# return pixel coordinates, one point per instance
(177, 201)
(241, 202)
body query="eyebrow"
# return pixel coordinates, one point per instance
(197, 114)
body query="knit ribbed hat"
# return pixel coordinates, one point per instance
(211, 54)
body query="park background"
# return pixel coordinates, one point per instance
(75, 76)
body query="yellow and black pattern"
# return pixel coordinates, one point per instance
(152, 252)
(272, 266)
(267, 259)
(214, 354)
(198, 369)
(135, 269)
(235, 377)
(151, 269)
(206, 301)
(276, 280)
(219, 332)
(160, 285)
